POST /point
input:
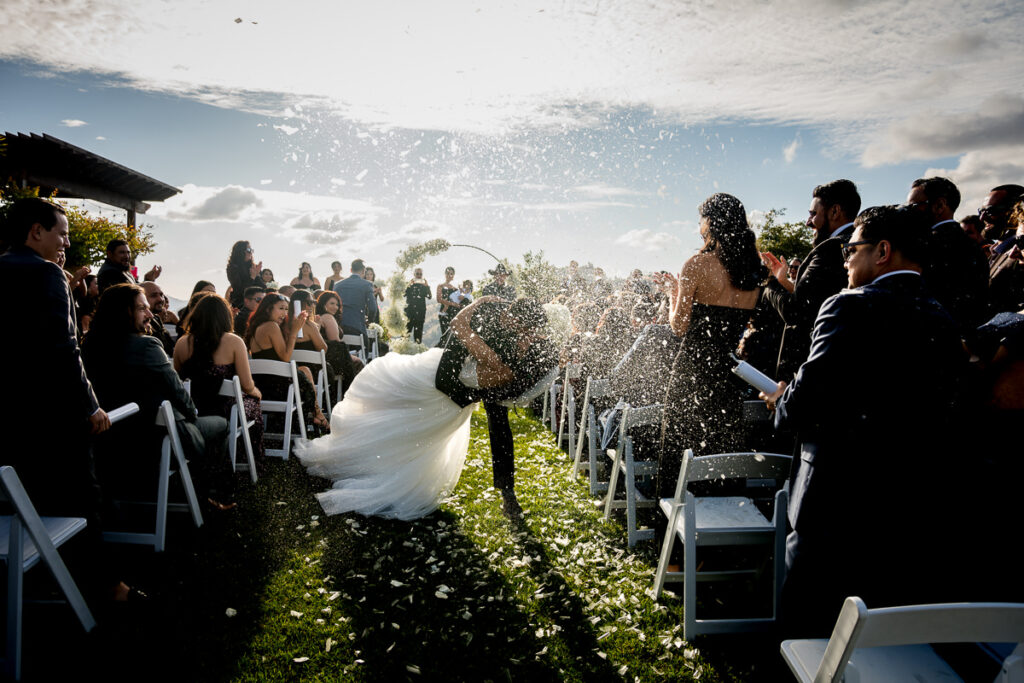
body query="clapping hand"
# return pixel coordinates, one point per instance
(255, 269)
(779, 267)
(153, 273)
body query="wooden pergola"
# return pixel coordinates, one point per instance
(74, 173)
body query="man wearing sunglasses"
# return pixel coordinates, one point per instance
(995, 214)
(834, 205)
(873, 406)
(956, 270)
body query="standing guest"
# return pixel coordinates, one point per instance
(116, 267)
(271, 335)
(243, 272)
(328, 311)
(794, 269)
(446, 308)
(575, 286)
(359, 303)
(371, 275)
(416, 295)
(335, 276)
(873, 452)
(155, 299)
(995, 214)
(955, 270)
(601, 288)
(972, 227)
(87, 303)
(1006, 274)
(253, 296)
(585, 318)
(833, 208)
(208, 354)
(126, 366)
(305, 277)
(713, 300)
(500, 288)
(51, 405)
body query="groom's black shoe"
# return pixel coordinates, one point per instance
(510, 505)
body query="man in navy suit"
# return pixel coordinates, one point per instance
(833, 208)
(357, 301)
(873, 407)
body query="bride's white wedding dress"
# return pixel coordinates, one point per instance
(397, 444)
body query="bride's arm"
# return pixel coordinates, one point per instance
(490, 368)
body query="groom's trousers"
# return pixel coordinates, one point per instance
(501, 445)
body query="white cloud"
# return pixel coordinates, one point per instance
(223, 204)
(73, 123)
(980, 171)
(789, 151)
(598, 190)
(648, 240)
(100, 138)
(492, 67)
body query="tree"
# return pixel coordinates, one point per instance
(535, 277)
(785, 240)
(88, 234)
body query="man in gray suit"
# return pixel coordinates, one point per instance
(357, 303)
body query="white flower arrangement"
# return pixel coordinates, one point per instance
(406, 346)
(382, 334)
(394, 318)
(559, 325)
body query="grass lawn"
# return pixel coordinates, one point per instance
(277, 591)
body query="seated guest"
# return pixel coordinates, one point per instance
(253, 297)
(203, 286)
(328, 312)
(1006, 274)
(155, 299)
(271, 335)
(875, 408)
(310, 339)
(208, 354)
(125, 366)
(183, 313)
(287, 290)
(585, 318)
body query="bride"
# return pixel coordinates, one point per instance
(398, 442)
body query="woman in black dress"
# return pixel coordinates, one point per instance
(711, 302)
(447, 309)
(243, 272)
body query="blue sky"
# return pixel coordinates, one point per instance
(591, 130)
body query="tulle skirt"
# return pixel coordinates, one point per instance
(397, 444)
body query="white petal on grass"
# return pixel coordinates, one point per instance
(295, 614)
(230, 612)
(300, 660)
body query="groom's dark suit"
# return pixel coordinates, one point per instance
(873, 406)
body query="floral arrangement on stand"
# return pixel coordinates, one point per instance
(393, 318)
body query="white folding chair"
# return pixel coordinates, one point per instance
(238, 427)
(891, 643)
(25, 540)
(568, 414)
(374, 351)
(623, 464)
(171, 445)
(551, 398)
(723, 521)
(355, 343)
(291, 405)
(591, 435)
(318, 358)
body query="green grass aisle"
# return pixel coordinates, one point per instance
(465, 595)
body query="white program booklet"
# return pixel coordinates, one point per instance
(754, 377)
(118, 414)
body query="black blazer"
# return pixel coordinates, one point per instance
(111, 274)
(821, 275)
(44, 379)
(874, 409)
(956, 274)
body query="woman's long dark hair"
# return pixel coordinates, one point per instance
(310, 270)
(207, 322)
(115, 314)
(261, 315)
(732, 240)
(196, 296)
(302, 295)
(323, 298)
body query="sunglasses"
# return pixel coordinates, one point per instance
(994, 209)
(850, 248)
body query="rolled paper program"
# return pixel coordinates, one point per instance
(296, 309)
(754, 377)
(118, 414)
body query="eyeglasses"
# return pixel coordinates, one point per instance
(917, 205)
(248, 250)
(849, 249)
(995, 208)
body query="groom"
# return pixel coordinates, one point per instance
(493, 327)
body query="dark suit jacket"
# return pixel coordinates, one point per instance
(1006, 284)
(43, 374)
(821, 275)
(875, 409)
(956, 274)
(111, 274)
(358, 302)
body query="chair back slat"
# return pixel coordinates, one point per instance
(573, 370)
(739, 466)
(639, 417)
(263, 366)
(979, 622)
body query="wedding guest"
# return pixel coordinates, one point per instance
(416, 295)
(287, 290)
(575, 286)
(267, 278)
(243, 272)
(794, 268)
(636, 283)
(446, 308)
(335, 276)
(611, 339)
(463, 296)
(601, 287)
(116, 267)
(155, 299)
(995, 214)
(500, 288)
(310, 339)
(905, 416)
(210, 353)
(370, 275)
(328, 312)
(271, 335)
(305, 277)
(1006, 273)
(359, 302)
(253, 296)
(201, 287)
(585, 318)
(55, 398)
(87, 303)
(833, 207)
(126, 366)
(972, 227)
